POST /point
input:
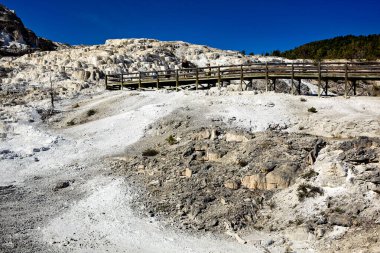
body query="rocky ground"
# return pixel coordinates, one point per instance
(190, 171)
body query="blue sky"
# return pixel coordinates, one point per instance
(255, 26)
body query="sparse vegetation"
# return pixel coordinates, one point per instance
(71, 123)
(309, 174)
(338, 210)
(298, 222)
(303, 99)
(171, 140)
(150, 152)
(76, 105)
(301, 128)
(91, 112)
(272, 205)
(243, 163)
(312, 110)
(308, 191)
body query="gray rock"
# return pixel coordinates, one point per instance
(340, 220)
(61, 185)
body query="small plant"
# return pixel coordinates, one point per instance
(312, 110)
(171, 140)
(303, 99)
(70, 123)
(243, 163)
(91, 112)
(309, 174)
(272, 205)
(338, 210)
(150, 152)
(76, 105)
(301, 128)
(308, 191)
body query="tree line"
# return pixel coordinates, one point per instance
(342, 47)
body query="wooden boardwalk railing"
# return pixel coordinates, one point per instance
(349, 72)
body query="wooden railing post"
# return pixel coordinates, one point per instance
(158, 81)
(326, 87)
(292, 89)
(176, 79)
(106, 81)
(266, 76)
(346, 80)
(196, 78)
(299, 86)
(122, 81)
(241, 77)
(354, 86)
(319, 79)
(139, 80)
(219, 78)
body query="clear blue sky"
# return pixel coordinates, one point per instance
(256, 26)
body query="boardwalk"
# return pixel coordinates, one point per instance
(349, 72)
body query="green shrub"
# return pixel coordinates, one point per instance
(338, 210)
(243, 163)
(309, 174)
(308, 191)
(312, 110)
(91, 112)
(303, 99)
(71, 123)
(171, 140)
(150, 152)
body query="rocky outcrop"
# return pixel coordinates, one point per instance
(272, 180)
(16, 39)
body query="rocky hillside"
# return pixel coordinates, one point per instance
(16, 39)
(75, 68)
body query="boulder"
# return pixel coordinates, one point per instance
(276, 180)
(203, 135)
(340, 220)
(213, 155)
(254, 182)
(232, 184)
(234, 137)
(273, 180)
(188, 172)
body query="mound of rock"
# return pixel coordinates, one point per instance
(209, 177)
